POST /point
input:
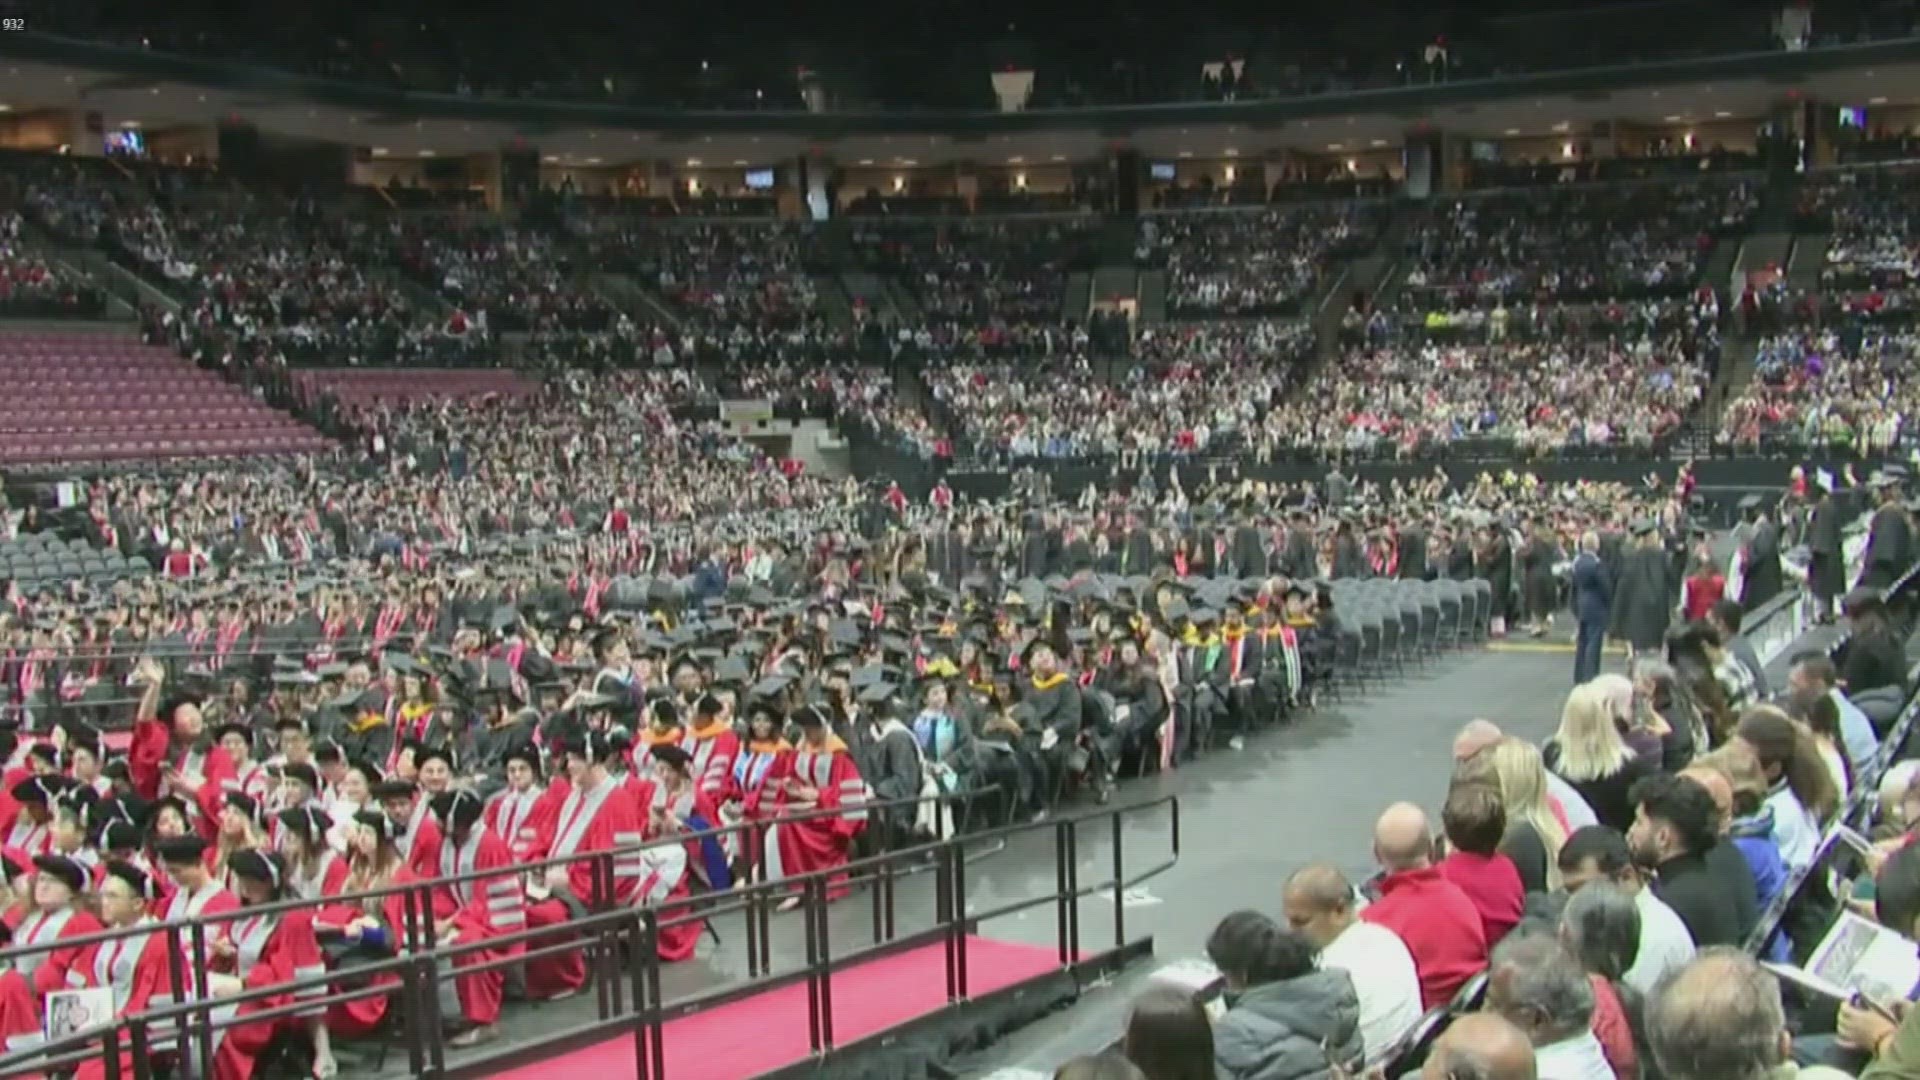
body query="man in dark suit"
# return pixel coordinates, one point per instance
(1760, 557)
(1592, 607)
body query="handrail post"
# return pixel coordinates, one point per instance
(960, 928)
(177, 983)
(411, 1031)
(1119, 872)
(943, 913)
(637, 981)
(142, 1050)
(650, 949)
(819, 908)
(202, 1023)
(1073, 891)
(1061, 885)
(111, 1048)
(813, 968)
(431, 1021)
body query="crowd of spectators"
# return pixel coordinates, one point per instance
(1872, 214)
(1850, 388)
(1006, 272)
(516, 276)
(1258, 263)
(33, 286)
(1591, 242)
(719, 274)
(1191, 388)
(1542, 395)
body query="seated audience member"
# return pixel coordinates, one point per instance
(1875, 654)
(1169, 1036)
(1513, 768)
(269, 951)
(1475, 822)
(1740, 670)
(1597, 854)
(1540, 986)
(1286, 1018)
(1601, 928)
(1567, 804)
(1675, 833)
(1318, 901)
(1438, 922)
(1721, 1017)
(474, 909)
(1815, 671)
(1821, 717)
(1894, 1049)
(1483, 1046)
(1732, 776)
(58, 913)
(1804, 796)
(1590, 753)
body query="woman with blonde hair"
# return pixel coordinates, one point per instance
(1534, 835)
(1591, 753)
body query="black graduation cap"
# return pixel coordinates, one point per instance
(392, 789)
(400, 662)
(258, 866)
(62, 869)
(39, 789)
(135, 878)
(525, 752)
(771, 686)
(1080, 636)
(295, 678)
(180, 850)
(878, 693)
(458, 809)
(311, 823)
(663, 710)
(1750, 502)
(303, 773)
(868, 675)
(1175, 610)
(1645, 527)
(671, 754)
(332, 670)
(120, 836)
(812, 716)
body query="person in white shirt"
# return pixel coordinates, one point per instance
(1541, 987)
(1319, 905)
(1598, 853)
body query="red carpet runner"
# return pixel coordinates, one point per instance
(769, 1031)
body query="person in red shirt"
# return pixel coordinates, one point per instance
(1475, 821)
(1431, 914)
(1702, 589)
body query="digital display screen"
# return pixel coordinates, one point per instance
(1161, 170)
(760, 179)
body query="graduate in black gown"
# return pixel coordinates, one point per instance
(1643, 597)
(1889, 537)
(1760, 558)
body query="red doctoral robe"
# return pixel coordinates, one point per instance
(791, 848)
(481, 909)
(361, 1017)
(601, 818)
(273, 950)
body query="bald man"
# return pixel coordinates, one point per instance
(1567, 804)
(1483, 1045)
(1318, 901)
(1439, 924)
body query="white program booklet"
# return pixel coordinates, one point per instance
(73, 1012)
(1858, 957)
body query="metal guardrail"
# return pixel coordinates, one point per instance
(625, 967)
